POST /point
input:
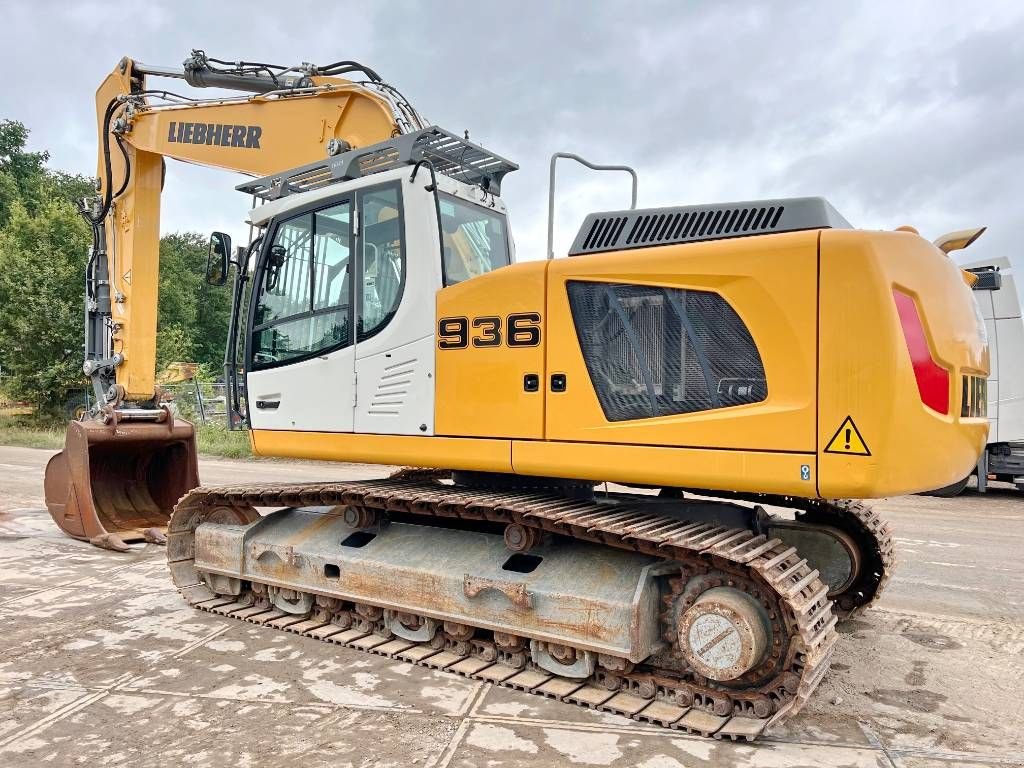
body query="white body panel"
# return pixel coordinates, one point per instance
(384, 384)
(1009, 396)
(313, 395)
(395, 390)
(395, 368)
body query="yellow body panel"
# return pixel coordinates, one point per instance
(866, 370)
(294, 131)
(135, 228)
(821, 311)
(771, 283)
(754, 471)
(479, 390)
(749, 471)
(415, 451)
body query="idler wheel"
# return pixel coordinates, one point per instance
(724, 634)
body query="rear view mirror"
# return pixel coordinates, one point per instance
(275, 260)
(217, 258)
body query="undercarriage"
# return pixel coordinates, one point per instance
(692, 613)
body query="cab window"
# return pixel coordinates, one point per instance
(304, 303)
(382, 260)
(474, 239)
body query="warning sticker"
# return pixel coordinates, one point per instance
(847, 439)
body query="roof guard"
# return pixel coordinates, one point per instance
(644, 228)
(454, 157)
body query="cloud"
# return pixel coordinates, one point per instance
(898, 113)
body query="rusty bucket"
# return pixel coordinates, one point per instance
(117, 483)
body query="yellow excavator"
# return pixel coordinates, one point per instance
(630, 473)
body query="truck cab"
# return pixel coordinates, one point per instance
(1003, 458)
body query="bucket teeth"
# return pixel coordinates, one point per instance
(110, 541)
(155, 536)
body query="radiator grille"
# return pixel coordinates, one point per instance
(661, 226)
(653, 351)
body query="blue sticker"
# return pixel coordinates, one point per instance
(805, 471)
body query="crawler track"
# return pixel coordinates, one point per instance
(659, 690)
(871, 532)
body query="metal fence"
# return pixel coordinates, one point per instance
(200, 401)
(204, 402)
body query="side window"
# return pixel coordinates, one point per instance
(383, 258)
(653, 351)
(304, 303)
(285, 290)
(475, 239)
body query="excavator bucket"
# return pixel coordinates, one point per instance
(117, 483)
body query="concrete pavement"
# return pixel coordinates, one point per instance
(101, 663)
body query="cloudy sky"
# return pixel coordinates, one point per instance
(898, 113)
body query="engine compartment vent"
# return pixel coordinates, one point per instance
(623, 230)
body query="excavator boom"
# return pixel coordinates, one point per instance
(123, 468)
(257, 135)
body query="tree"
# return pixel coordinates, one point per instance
(44, 244)
(41, 292)
(193, 315)
(22, 174)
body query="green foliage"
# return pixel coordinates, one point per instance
(22, 174)
(69, 186)
(41, 265)
(218, 440)
(25, 179)
(194, 316)
(30, 431)
(173, 344)
(44, 244)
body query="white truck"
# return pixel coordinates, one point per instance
(1003, 458)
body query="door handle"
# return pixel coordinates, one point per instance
(268, 405)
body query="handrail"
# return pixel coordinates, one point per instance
(551, 189)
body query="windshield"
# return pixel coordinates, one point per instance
(475, 239)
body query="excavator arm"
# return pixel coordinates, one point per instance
(123, 467)
(286, 122)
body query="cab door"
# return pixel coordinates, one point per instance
(301, 340)
(399, 271)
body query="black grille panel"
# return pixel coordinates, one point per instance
(661, 226)
(653, 351)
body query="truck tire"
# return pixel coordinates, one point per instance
(949, 491)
